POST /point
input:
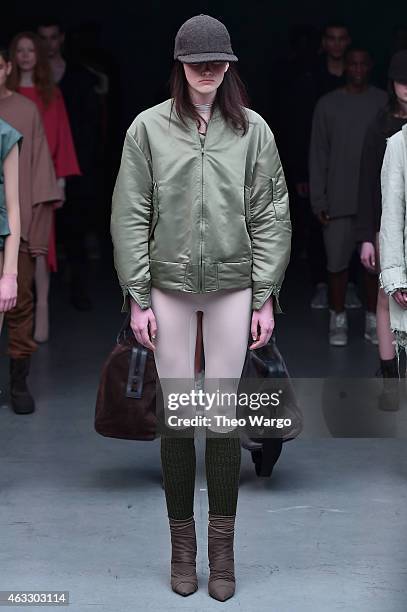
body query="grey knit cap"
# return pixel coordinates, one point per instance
(203, 39)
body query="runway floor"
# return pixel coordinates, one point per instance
(86, 514)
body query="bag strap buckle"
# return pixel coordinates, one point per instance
(135, 378)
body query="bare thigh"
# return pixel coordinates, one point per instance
(225, 329)
(176, 319)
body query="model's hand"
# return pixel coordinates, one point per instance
(323, 217)
(8, 292)
(368, 256)
(400, 297)
(140, 321)
(262, 320)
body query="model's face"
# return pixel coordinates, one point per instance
(26, 56)
(5, 69)
(205, 77)
(335, 42)
(400, 89)
(52, 39)
(358, 67)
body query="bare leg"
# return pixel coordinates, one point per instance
(385, 336)
(384, 333)
(42, 278)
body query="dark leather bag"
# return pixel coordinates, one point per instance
(265, 371)
(126, 396)
(129, 382)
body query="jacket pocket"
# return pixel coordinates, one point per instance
(247, 211)
(274, 197)
(154, 210)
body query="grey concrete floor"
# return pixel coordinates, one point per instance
(83, 513)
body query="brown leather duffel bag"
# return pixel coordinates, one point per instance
(126, 404)
(126, 397)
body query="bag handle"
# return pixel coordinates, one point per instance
(138, 360)
(124, 329)
(135, 379)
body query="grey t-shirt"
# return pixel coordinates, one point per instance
(338, 129)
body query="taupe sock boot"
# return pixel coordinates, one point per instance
(184, 580)
(221, 531)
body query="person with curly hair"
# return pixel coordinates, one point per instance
(38, 193)
(31, 76)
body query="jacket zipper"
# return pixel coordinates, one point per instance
(202, 144)
(202, 176)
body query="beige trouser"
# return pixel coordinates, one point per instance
(225, 328)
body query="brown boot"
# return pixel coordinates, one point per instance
(22, 401)
(221, 531)
(184, 580)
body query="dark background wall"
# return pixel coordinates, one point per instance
(134, 40)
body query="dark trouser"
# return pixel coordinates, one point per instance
(20, 319)
(307, 232)
(316, 252)
(73, 222)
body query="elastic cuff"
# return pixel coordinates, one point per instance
(143, 299)
(260, 295)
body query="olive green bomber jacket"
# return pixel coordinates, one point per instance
(199, 217)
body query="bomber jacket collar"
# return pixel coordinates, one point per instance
(215, 117)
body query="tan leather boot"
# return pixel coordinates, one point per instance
(184, 580)
(221, 531)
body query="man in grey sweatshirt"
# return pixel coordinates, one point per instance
(339, 125)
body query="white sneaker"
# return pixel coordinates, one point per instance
(338, 328)
(320, 298)
(370, 328)
(352, 299)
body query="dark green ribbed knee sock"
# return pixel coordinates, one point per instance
(222, 461)
(178, 463)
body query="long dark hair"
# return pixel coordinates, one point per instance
(391, 109)
(231, 97)
(4, 53)
(42, 76)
